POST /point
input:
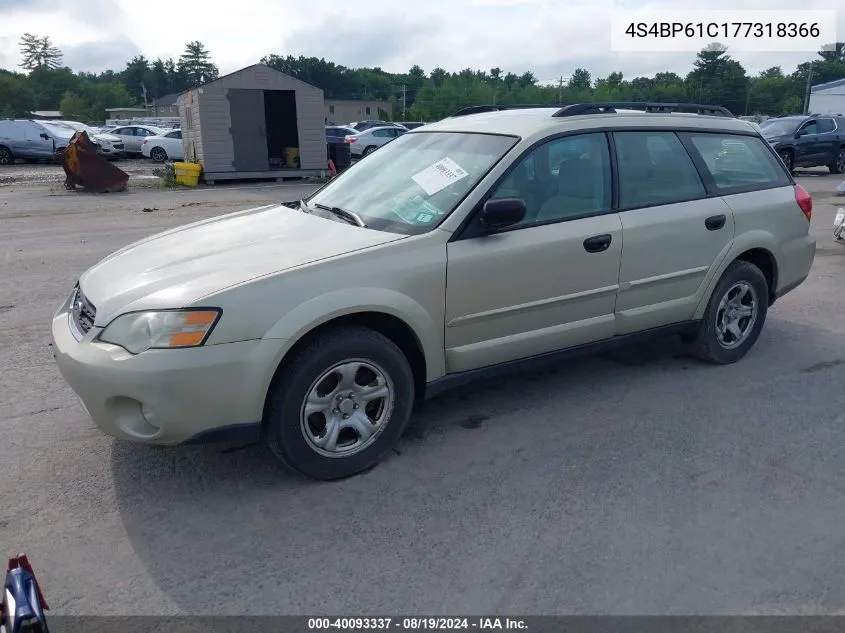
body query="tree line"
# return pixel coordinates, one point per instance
(715, 78)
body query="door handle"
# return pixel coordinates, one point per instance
(715, 222)
(597, 243)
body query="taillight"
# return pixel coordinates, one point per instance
(350, 139)
(805, 201)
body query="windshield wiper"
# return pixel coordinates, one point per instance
(349, 216)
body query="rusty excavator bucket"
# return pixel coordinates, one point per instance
(85, 168)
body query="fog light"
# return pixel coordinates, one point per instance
(149, 416)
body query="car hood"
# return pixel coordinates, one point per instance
(180, 266)
(112, 138)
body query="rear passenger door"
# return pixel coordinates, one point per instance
(674, 231)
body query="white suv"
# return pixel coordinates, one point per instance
(478, 244)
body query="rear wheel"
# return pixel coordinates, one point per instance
(6, 157)
(838, 164)
(158, 154)
(786, 157)
(735, 315)
(369, 150)
(340, 405)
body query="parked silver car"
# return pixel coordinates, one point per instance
(31, 140)
(367, 142)
(133, 136)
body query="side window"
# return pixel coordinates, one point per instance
(825, 125)
(738, 161)
(174, 134)
(382, 133)
(809, 128)
(139, 131)
(563, 179)
(654, 169)
(121, 131)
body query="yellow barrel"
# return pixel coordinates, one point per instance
(292, 157)
(187, 174)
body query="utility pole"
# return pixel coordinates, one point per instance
(144, 92)
(404, 100)
(560, 90)
(809, 86)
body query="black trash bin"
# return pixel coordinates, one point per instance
(342, 156)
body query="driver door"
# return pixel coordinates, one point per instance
(549, 282)
(807, 144)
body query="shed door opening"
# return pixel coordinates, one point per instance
(282, 132)
(246, 112)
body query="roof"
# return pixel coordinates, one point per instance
(55, 114)
(838, 83)
(126, 109)
(264, 67)
(528, 122)
(167, 100)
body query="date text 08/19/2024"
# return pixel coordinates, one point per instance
(416, 624)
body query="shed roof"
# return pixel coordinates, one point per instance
(300, 84)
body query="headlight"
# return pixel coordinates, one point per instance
(168, 329)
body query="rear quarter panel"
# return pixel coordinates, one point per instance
(772, 220)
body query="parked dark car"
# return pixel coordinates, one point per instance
(817, 140)
(336, 133)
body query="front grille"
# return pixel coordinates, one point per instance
(118, 145)
(82, 312)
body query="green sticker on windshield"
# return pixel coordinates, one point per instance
(424, 218)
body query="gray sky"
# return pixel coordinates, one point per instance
(549, 37)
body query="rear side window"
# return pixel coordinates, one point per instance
(826, 125)
(654, 169)
(738, 161)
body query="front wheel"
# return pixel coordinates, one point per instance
(734, 316)
(6, 157)
(838, 164)
(340, 405)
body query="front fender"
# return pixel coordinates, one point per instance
(742, 243)
(297, 322)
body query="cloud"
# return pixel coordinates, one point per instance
(548, 37)
(96, 57)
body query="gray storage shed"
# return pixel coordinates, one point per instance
(254, 123)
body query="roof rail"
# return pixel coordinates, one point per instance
(610, 107)
(496, 108)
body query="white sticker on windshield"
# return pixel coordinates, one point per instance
(439, 176)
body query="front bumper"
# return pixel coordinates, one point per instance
(165, 396)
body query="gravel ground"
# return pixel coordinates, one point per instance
(632, 483)
(45, 173)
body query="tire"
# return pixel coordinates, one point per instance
(786, 157)
(739, 276)
(6, 157)
(838, 164)
(158, 155)
(294, 438)
(369, 150)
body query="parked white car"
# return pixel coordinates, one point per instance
(108, 145)
(133, 136)
(166, 146)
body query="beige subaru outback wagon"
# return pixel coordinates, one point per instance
(495, 238)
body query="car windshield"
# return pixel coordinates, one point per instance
(412, 183)
(780, 127)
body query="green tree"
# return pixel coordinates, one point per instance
(39, 52)
(74, 107)
(196, 64)
(16, 98)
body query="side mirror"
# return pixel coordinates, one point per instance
(801, 132)
(44, 136)
(502, 213)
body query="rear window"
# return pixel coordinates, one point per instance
(739, 161)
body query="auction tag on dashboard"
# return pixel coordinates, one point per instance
(439, 176)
